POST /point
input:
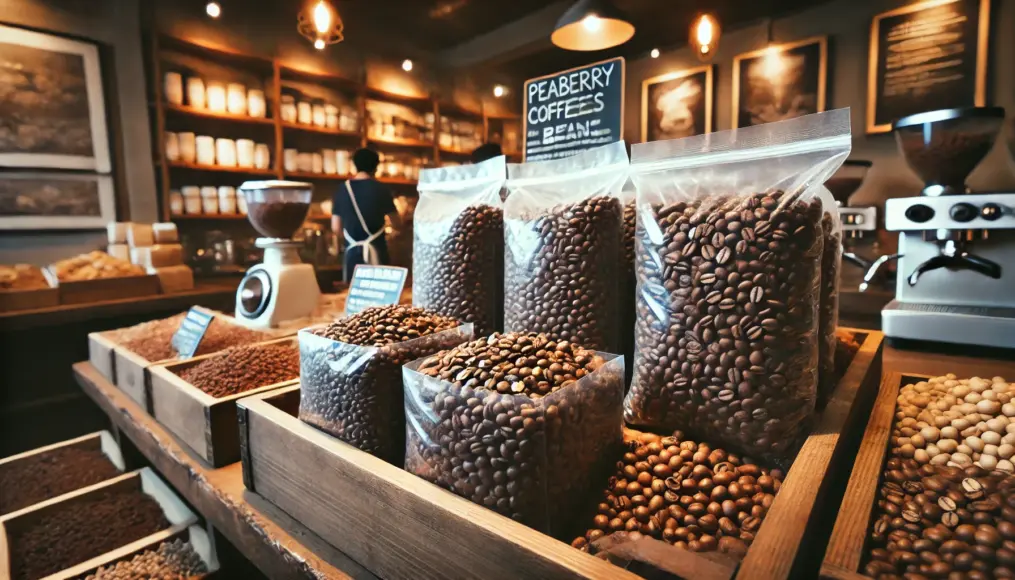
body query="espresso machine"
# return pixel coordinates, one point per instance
(859, 224)
(956, 258)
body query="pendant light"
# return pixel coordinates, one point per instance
(704, 36)
(591, 25)
(321, 24)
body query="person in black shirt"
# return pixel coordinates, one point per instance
(485, 151)
(358, 211)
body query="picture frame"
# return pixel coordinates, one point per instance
(689, 94)
(957, 21)
(801, 90)
(33, 200)
(60, 119)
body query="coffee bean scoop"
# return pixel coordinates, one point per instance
(520, 423)
(351, 383)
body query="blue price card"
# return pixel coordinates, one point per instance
(374, 286)
(191, 331)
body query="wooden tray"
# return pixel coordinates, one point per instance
(85, 291)
(844, 554)
(100, 353)
(180, 518)
(201, 539)
(12, 300)
(101, 440)
(206, 424)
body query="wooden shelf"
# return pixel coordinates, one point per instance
(301, 75)
(458, 111)
(209, 217)
(205, 114)
(220, 169)
(455, 151)
(321, 130)
(310, 175)
(376, 94)
(397, 181)
(401, 142)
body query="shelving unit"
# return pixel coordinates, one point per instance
(203, 113)
(221, 168)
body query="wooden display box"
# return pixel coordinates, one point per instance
(13, 300)
(102, 440)
(85, 291)
(202, 540)
(845, 551)
(100, 354)
(180, 519)
(398, 525)
(206, 424)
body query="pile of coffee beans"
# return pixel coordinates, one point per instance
(351, 373)
(174, 560)
(935, 521)
(828, 313)
(727, 319)
(561, 274)
(685, 493)
(153, 340)
(277, 219)
(46, 475)
(460, 271)
(517, 422)
(949, 156)
(958, 423)
(80, 530)
(243, 368)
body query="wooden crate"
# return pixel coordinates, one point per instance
(13, 300)
(100, 353)
(180, 518)
(202, 540)
(85, 291)
(845, 550)
(206, 424)
(799, 521)
(101, 440)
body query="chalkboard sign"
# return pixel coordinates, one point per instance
(924, 57)
(191, 331)
(374, 286)
(574, 110)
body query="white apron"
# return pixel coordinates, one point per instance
(370, 255)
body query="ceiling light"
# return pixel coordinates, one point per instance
(592, 25)
(498, 91)
(704, 36)
(321, 24)
(654, 53)
(407, 65)
(213, 9)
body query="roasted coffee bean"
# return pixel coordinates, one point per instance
(351, 373)
(763, 353)
(243, 368)
(521, 423)
(277, 218)
(174, 560)
(561, 274)
(459, 269)
(828, 313)
(51, 473)
(688, 513)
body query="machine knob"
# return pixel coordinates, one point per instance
(964, 212)
(920, 213)
(991, 212)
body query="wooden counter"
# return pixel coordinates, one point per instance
(212, 294)
(274, 542)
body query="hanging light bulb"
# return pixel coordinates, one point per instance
(591, 25)
(407, 65)
(321, 24)
(498, 91)
(704, 36)
(213, 9)
(654, 53)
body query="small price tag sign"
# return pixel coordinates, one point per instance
(191, 331)
(374, 286)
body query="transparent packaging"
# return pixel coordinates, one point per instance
(354, 392)
(628, 281)
(458, 243)
(562, 232)
(536, 460)
(828, 313)
(729, 258)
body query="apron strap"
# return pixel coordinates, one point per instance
(370, 255)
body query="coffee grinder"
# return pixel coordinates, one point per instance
(956, 280)
(282, 287)
(859, 224)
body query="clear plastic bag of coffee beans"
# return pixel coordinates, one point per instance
(458, 244)
(628, 281)
(563, 225)
(828, 314)
(729, 256)
(536, 459)
(354, 392)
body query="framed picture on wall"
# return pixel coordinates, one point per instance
(780, 82)
(53, 112)
(55, 200)
(677, 104)
(924, 57)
